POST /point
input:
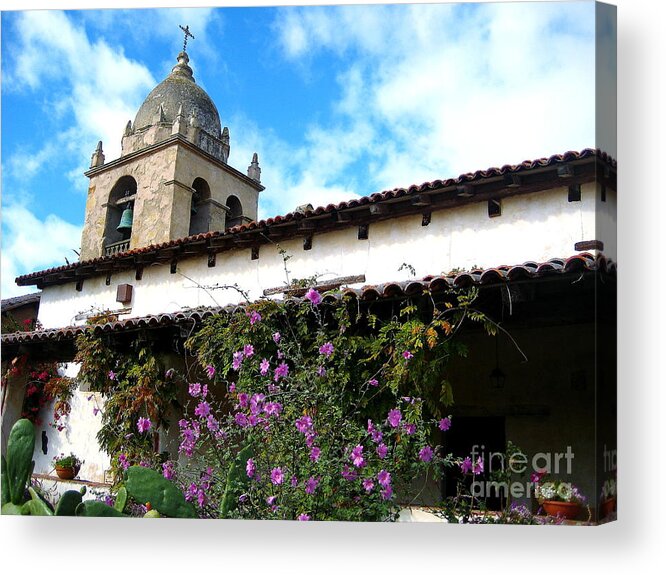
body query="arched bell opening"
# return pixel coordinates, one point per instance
(119, 216)
(200, 207)
(235, 212)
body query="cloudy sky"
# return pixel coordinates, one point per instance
(338, 101)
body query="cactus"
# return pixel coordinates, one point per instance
(20, 447)
(5, 482)
(144, 484)
(236, 480)
(97, 509)
(68, 503)
(121, 500)
(37, 505)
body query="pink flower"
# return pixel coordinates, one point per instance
(264, 366)
(168, 470)
(144, 424)
(426, 453)
(394, 417)
(373, 382)
(281, 371)
(254, 317)
(382, 450)
(210, 371)
(387, 492)
(212, 423)
(304, 517)
(311, 485)
(466, 465)
(123, 462)
(194, 389)
(368, 484)
(270, 500)
(321, 371)
(348, 473)
(277, 476)
(314, 296)
(478, 467)
(273, 408)
(276, 337)
(294, 481)
(326, 349)
(248, 350)
(202, 410)
(407, 355)
(445, 424)
(357, 456)
(112, 375)
(315, 453)
(250, 467)
(409, 428)
(384, 478)
(237, 360)
(304, 424)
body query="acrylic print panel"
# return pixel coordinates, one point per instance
(290, 283)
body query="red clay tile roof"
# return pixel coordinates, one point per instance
(202, 243)
(579, 263)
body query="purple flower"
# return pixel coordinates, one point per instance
(304, 517)
(311, 485)
(276, 337)
(382, 450)
(210, 371)
(281, 370)
(241, 420)
(407, 355)
(242, 498)
(368, 484)
(466, 465)
(264, 366)
(212, 423)
(294, 481)
(108, 500)
(273, 408)
(248, 350)
(387, 492)
(112, 376)
(373, 382)
(357, 456)
(478, 467)
(250, 467)
(168, 470)
(376, 435)
(348, 473)
(254, 316)
(277, 476)
(314, 296)
(426, 453)
(270, 500)
(394, 417)
(310, 438)
(384, 478)
(202, 410)
(144, 424)
(168, 374)
(315, 452)
(96, 410)
(409, 428)
(243, 399)
(326, 349)
(304, 424)
(237, 360)
(123, 462)
(321, 371)
(445, 424)
(194, 389)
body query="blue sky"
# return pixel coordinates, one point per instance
(338, 101)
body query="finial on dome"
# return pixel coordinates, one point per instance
(182, 69)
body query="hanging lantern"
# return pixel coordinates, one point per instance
(125, 224)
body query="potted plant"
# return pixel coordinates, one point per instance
(559, 498)
(67, 466)
(608, 499)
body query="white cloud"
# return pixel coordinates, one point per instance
(30, 244)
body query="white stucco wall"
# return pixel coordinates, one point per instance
(535, 227)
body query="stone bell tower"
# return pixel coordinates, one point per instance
(172, 179)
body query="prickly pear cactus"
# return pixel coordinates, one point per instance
(20, 447)
(145, 484)
(68, 503)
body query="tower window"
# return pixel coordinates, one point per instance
(119, 216)
(235, 213)
(574, 193)
(200, 207)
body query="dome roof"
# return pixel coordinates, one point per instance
(176, 90)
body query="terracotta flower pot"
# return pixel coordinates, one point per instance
(561, 509)
(66, 472)
(607, 507)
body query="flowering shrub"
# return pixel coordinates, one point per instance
(309, 412)
(558, 490)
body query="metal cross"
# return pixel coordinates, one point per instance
(187, 33)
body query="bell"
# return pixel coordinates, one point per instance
(125, 224)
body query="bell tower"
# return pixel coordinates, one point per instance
(172, 179)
